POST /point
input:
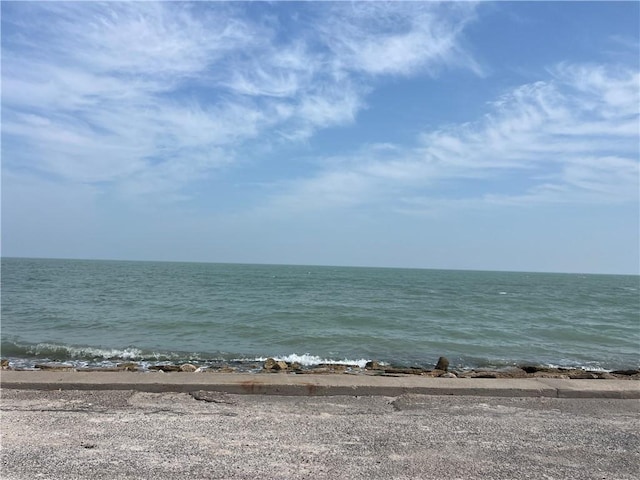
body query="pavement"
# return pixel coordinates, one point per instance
(66, 425)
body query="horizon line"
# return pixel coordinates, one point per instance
(317, 265)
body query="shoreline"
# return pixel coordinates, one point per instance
(372, 368)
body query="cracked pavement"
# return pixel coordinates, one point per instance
(142, 435)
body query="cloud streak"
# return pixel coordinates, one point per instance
(571, 138)
(146, 97)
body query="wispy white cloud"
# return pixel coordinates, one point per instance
(397, 38)
(94, 80)
(151, 96)
(574, 138)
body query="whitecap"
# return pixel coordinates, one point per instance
(309, 360)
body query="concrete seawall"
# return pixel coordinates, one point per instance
(309, 385)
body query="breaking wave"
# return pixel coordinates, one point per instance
(87, 355)
(308, 360)
(57, 352)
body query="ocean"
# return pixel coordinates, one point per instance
(100, 313)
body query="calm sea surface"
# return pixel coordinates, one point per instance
(104, 312)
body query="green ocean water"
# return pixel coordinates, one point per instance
(104, 312)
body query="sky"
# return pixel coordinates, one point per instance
(455, 135)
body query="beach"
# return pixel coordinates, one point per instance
(68, 425)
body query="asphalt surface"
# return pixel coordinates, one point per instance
(125, 434)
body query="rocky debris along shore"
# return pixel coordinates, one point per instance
(270, 366)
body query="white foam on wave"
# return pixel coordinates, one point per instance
(309, 360)
(86, 352)
(588, 368)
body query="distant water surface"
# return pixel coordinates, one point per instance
(104, 312)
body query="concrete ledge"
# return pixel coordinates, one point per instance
(305, 385)
(594, 388)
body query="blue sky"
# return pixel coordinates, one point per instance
(490, 135)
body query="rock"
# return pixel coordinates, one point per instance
(626, 372)
(269, 364)
(274, 366)
(549, 374)
(316, 370)
(484, 375)
(530, 368)
(372, 365)
(538, 368)
(129, 366)
(443, 364)
(583, 375)
(4, 364)
(226, 369)
(99, 369)
(561, 372)
(448, 375)
(404, 371)
(165, 368)
(546, 372)
(188, 367)
(55, 367)
(333, 367)
(295, 366)
(514, 372)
